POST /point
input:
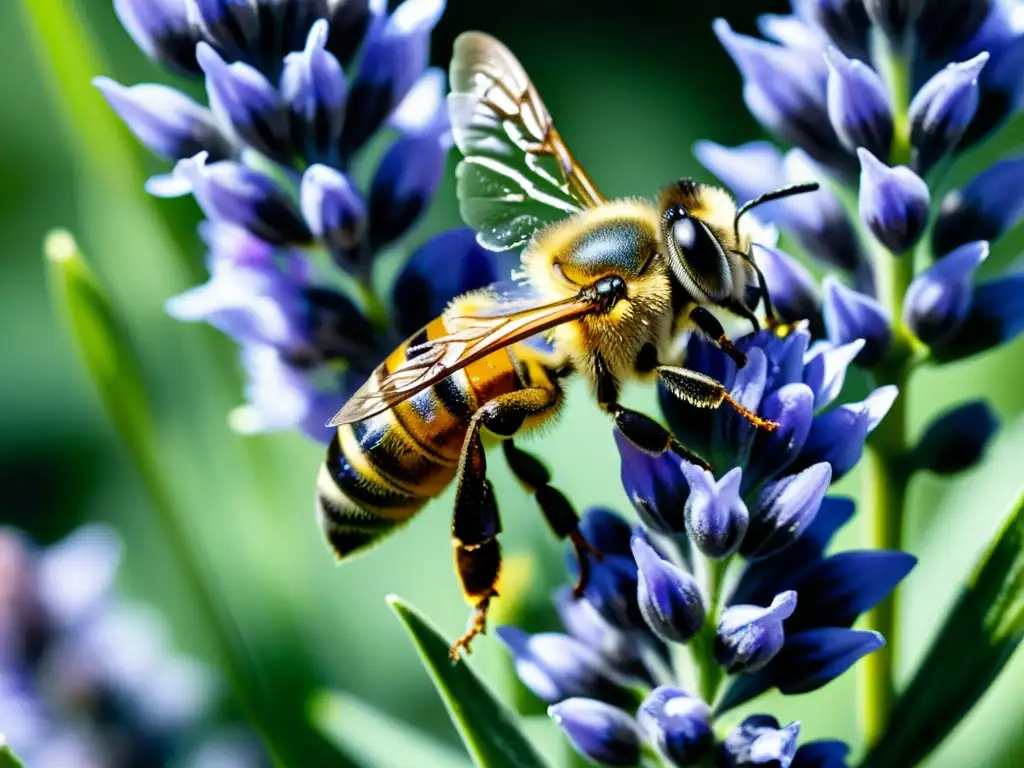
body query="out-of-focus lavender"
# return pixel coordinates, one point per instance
(297, 90)
(90, 680)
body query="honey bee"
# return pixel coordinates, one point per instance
(606, 289)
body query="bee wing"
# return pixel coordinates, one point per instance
(517, 174)
(474, 337)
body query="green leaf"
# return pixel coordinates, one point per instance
(487, 727)
(375, 739)
(7, 757)
(977, 640)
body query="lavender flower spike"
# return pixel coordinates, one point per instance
(893, 203)
(942, 110)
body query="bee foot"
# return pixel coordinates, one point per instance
(583, 549)
(477, 626)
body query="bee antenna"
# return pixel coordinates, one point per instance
(767, 197)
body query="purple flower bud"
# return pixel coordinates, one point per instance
(555, 666)
(619, 650)
(336, 214)
(793, 289)
(791, 406)
(850, 315)
(1000, 88)
(349, 22)
(893, 203)
(749, 636)
(942, 110)
(314, 88)
(655, 485)
(164, 30)
(858, 104)
(612, 589)
(957, 439)
(845, 22)
(336, 330)
(716, 517)
(669, 598)
(167, 121)
(996, 317)
(825, 369)
(991, 204)
(838, 436)
(258, 32)
(394, 56)
(892, 17)
(748, 170)
(75, 575)
(816, 657)
(234, 193)
(607, 532)
(824, 753)
(242, 97)
(938, 300)
(404, 185)
(677, 725)
(234, 27)
(784, 88)
(942, 28)
(784, 510)
(758, 740)
(447, 265)
(598, 731)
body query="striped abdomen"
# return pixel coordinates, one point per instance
(381, 471)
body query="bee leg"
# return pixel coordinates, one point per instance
(475, 524)
(554, 506)
(641, 430)
(703, 391)
(710, 327)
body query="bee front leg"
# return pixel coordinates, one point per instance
(554, 506)
(641, 430)
(708, 324)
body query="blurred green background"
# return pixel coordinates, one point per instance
(631, 88)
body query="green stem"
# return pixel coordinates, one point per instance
(373, 305)
(709, 673)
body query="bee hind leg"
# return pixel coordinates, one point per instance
(555, 507)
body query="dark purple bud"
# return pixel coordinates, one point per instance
(758, 740)
(599, 731)
(892, 16)
(167, 121)
(234, 193)
(336, 215)
(1000, 92)
(938, 299)
(557, 667)
(677, 725)
(893, 203)
(750, 636)
(314, 88)
(784, 88)
(942, 110)
(815, 658)
(784, 510)
(447, 265)
(336, 329)
(349, 20)
(991, 204)
(620, 650)
(607, 532)
(845, 22)
(858, 104)
(733, 436)
(655, 485)
(851, 315)
(612, 589)
(957, 439)
(824, 753)
(404, 185)
(943, 27)
(825, 370)
(837, 436)
(996, 317)
(793, 289)
(242, 97)
(669, 598)
(164, 30)
(791, 406)
(394, 56)
(716, 517)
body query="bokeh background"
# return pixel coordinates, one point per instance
(631, 86)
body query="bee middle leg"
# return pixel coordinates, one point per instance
(705, 392)
(475, 523)
(708, 324)
(557, 509)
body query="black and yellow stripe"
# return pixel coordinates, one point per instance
(381, 471)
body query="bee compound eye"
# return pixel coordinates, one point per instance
(685, 233)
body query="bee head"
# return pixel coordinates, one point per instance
(702, 252)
